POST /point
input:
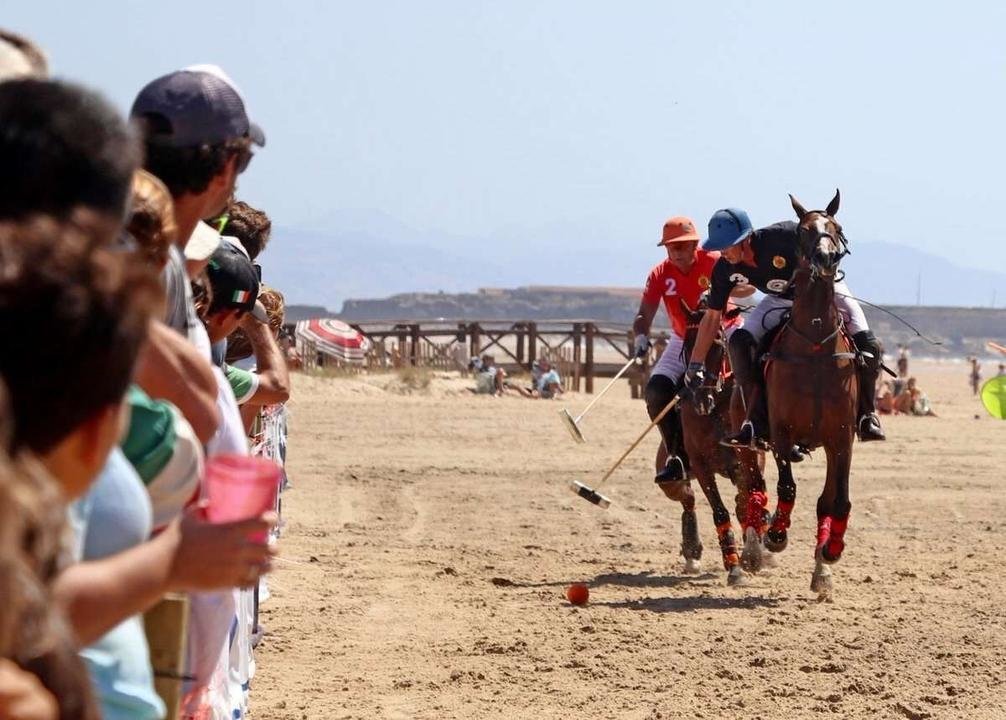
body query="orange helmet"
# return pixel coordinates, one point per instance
(679, 229)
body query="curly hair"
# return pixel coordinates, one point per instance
(80, 313)
(33, 633)
(152, 219)
(251, 226)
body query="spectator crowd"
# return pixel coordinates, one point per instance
(141, 348)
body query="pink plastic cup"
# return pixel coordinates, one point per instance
(240, 487)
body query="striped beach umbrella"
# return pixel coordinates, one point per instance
(335, 339)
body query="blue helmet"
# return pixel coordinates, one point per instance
(727, 227)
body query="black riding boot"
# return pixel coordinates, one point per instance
(660, 390)
(867, 423)
(754, 431)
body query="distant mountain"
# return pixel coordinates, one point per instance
(365, 254)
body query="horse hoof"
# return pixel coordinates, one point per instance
(776, 541)
(823, 556)
(736, 577)
(751, 555)
(821, 581)
(692, 567)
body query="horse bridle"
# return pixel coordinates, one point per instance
(839, 240)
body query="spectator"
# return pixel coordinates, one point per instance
(82, 157)
(100, 301)
(1002, 370)
(249, 226)
(885, 398)
(902, 361)
(912, 401)
(549, 384)
(235, 287)
(975, 375)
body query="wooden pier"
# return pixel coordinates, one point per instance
(583, 350)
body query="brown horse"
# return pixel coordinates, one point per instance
(705, 417)
(813, 389)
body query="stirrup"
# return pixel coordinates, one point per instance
(674, 471)
(745, 438)
(869, 428)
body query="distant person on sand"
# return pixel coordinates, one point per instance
(489, 379)
(885, 398)
(913, 401)
(975, 377)
(1002, 370)
(902, 361)
(549, 383)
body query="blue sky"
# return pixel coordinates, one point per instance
(506, 119)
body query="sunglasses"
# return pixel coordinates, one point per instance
(244, 158)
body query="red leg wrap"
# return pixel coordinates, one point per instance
(780, 523)
(756, 511)
(728, 545)
(836, 541)
(823, 530)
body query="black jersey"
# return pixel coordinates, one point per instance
(775, 258)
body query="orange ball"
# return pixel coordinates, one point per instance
(577, 593)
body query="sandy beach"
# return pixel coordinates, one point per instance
(430, 537)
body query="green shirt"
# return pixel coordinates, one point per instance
(243, 383)
(150, 442)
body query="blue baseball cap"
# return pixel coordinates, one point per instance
(727, 227)
(199, 105)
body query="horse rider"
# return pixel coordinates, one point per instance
(766, 259)
(683, 277)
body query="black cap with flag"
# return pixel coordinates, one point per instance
(234, 282)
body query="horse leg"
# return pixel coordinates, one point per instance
(776, 537)
(753, 518)
(834, 497)
(721, 520)
(691, 545)
(841, 459)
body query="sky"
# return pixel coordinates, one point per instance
(508, 119)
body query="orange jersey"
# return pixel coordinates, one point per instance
(668, 282)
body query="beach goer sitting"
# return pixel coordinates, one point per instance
(885, 398)
(549, 383)
(489, 379)
(912, 401)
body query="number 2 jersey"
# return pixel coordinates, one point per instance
(775, 255)
(667, 282)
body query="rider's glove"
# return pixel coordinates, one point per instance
(642, 346)
(695, 375)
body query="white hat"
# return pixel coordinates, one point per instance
(202, 243)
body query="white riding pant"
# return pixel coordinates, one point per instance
(672, 362)
(769, 313)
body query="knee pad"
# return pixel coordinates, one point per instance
(659, 391)
(866, 341)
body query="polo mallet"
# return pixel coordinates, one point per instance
(591, 494)
(573, 424)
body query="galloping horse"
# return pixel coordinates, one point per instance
(705, 416)
(813, 389)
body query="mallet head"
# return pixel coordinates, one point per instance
(578, 488)
(571, 425)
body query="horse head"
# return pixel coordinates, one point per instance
(821, 243)
(704, 399)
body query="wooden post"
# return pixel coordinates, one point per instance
(166, 626)
(635, 391)
(577, 331)
(532, 344)
(476, 333)
(589, 369)
(415, 355)
(520, 329)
